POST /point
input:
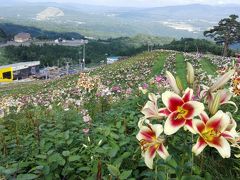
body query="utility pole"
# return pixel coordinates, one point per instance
(67, 67)
(84, 49)
(80, 62)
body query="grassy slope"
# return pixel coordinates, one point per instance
(159, 63)
(181, 69)
(208, 66)
(106, 72)
(36, 86)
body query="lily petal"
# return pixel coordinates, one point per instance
(157, 128)
(150, 110)
(145, 133)
(204, 117)
(222, 146)
(162, 151)
(189, 126)
(198, 126)
(218, 122)
(171, 100)
(199, 146)
(164, 112)
(227, 135)
(194, 109)
(188, 95)
(149, 155)
(172, 125)
(225, 96)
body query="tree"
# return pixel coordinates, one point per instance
(3, 35)
(226, 32)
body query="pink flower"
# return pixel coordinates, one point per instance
(85, 130)
(116, 89)
(129, 91)
(145, 86)
(86, 119)
(159, 79)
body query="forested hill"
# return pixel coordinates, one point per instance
(13, 29)
(3, 35)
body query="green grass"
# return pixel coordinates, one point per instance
(159, 63)
(208, 66)
(181, 69)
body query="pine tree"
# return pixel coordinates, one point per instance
(226, 32)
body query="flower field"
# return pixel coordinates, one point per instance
(158, 115)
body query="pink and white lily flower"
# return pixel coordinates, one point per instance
(151, 110)
(225, 96)
(213, 132)
(151, 143)
(231, 128)
(181, 111)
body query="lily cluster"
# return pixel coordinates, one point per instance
(198, 113)
(170, 64)
(235, 84)
(87, 82)
(223, 63)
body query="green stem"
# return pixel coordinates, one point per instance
(156, 171)
(192, 158)
(165, 169)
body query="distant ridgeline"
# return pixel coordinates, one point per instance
(13, 29)
(235, 46)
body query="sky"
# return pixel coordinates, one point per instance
(141, 3)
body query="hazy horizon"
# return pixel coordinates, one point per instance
(137, 3)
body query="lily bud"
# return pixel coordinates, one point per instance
(222, 80)
(179, 84)
(190, 73)
(84, 145)
(172, 82)
(100, 142)
(214, 103)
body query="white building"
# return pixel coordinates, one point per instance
(22, 37)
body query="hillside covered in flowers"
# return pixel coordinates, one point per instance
(158, 115)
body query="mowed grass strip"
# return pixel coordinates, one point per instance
(181, 69)
(159, 63)
(208, 66)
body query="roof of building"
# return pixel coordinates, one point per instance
(21, 65)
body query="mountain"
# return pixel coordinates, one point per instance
(104, 22)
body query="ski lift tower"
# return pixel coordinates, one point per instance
(84, 53)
